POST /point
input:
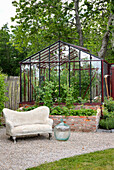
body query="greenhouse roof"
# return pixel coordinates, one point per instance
(58, 52)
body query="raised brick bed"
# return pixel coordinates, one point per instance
(79, 123)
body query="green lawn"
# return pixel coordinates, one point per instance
(100, 160)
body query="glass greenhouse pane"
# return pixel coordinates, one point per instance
(105, 79)
(84, 56)
(95, 58)
(85, 81)
(96, 81)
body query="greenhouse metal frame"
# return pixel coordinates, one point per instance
(84, 71)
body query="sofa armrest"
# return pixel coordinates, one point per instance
(9, 127)
(49, 121)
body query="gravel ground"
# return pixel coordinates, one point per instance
(30, 152)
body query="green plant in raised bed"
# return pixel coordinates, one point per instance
(56, 110)
(30, 108)
(27, 108)
(60, 111)
(59, 100)
(39, 96)
(66, 111)
(83, 112)
(44, 94)
(48, 91)
(72, 112)
(69, 96)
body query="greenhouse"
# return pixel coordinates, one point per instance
(63, 69)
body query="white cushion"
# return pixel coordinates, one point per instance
(31, 129)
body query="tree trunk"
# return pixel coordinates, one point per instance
(78, 23)
(104, 45)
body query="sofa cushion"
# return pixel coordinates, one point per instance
(31, 129)
(38, 115)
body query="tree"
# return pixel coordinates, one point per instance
(84, 23)
(9, 56)
(98, 15)
(41, 23)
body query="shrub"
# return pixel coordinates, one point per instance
(109, 104)
(3, 97)
(107, 123)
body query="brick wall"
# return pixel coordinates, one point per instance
(79, 123)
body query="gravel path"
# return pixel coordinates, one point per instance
(30, 152)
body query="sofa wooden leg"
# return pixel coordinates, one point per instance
(50, 135)
(14, 138)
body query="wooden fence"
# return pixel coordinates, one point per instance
(13, 92)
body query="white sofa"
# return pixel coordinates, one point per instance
(32, 122)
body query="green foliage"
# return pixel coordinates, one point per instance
(72, 112)
(108, 111)
(56, 110)
(84, 112)
(109, 104)
(107, 121)
(27, 108)
(3, 97)
(80, 100)
(30, 108)
(69, 100)
(103, 160)
(48, 91)
(68, 95)
(39, 95)
(63, 110)
(44, 94)
(40, 23)
(9, 56)
(97, 13)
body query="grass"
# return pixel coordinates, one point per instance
(100, 160)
